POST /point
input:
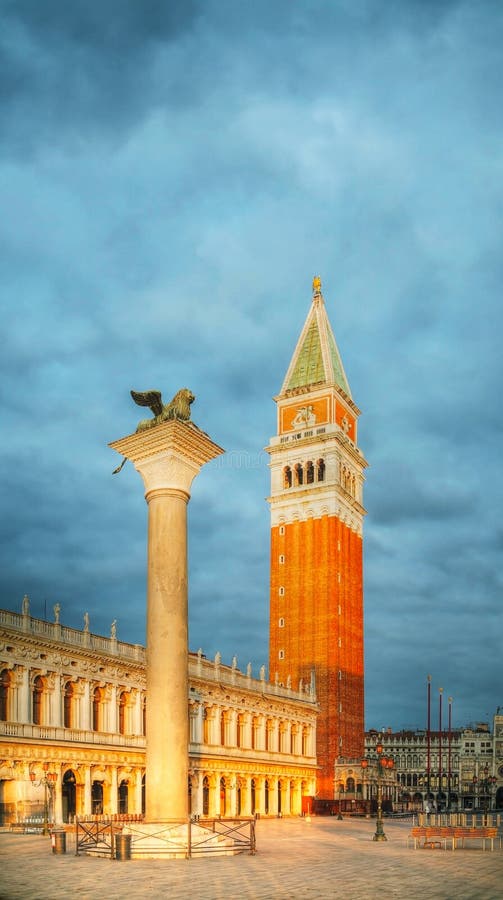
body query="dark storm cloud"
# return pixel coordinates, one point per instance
(72, 67)
(172, 177)
(412, 499)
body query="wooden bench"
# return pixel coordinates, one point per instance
(431, 836)
(482, 833)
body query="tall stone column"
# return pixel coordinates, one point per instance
(168, 457)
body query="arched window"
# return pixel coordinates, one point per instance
(240, 730)
(97, 709)
(350, 785)
(223, 796)
(309, 472)
(122, 796)
(206, 796)
(38, 690)
(144, 715)
(5, 683)
(238, 796)
(67, 705)
(69, 794)
(299, 474)
(222, 729)
(122, 712)
(320, 470)
(287, 477)
(97, 798)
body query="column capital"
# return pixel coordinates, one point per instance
(168, 456)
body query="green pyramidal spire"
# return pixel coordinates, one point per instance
(316, 359)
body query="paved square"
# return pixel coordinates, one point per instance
(323, 858)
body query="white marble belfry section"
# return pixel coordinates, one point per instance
(168, 457)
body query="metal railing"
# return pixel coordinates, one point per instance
(189, 838)
(465, 818)
(237, 835)
(75, 735)
(96, 837)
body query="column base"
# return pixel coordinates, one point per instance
(170, 840)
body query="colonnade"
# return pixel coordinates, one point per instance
(214, 724)
(88, 790)
(232, 794)
(49, 698)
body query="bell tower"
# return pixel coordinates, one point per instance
(316, 588)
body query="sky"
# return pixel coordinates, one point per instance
(172, 176)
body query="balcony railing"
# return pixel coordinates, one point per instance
(23, 730)
(72, 636)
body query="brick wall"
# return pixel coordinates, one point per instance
(317, 623)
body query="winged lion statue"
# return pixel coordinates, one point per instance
(177, 408)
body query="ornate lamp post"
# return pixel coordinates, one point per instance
(48, 780)
(381, 763)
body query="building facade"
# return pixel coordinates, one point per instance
(316, 502)
(72, 729)
(456, 769)
(459, 770)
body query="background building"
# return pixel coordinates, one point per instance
(455, 770)
(458, 770)
(316, 588)
(72, 729)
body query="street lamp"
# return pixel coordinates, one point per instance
(381, 762)
(486, 786)
(48, 780)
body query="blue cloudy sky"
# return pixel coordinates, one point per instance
(172, 176)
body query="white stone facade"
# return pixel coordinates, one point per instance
(72, 706)
(463, 770)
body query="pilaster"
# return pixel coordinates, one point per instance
(113, 790)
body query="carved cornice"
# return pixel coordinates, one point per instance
(181, 438)
(69, 662)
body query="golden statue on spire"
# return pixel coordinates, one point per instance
(316, 284)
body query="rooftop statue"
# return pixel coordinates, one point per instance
(178, 408)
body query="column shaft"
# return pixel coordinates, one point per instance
(167, 657)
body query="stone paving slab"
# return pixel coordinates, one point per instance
(323, 858)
